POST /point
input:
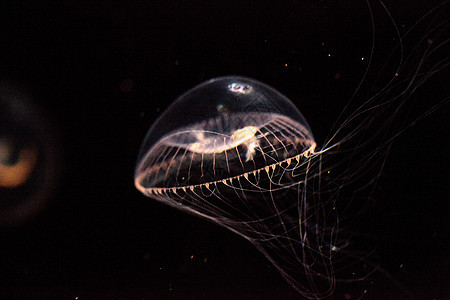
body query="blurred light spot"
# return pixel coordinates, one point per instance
(17, 172)
(29, 158)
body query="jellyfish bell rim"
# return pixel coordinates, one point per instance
(158, 192)
(232, 82)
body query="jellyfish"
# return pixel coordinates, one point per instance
(29, 159)
(240, 154)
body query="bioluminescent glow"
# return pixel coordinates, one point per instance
(237, 152)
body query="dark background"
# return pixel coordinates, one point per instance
(102, 71)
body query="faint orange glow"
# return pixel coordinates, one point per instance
(15, 175)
